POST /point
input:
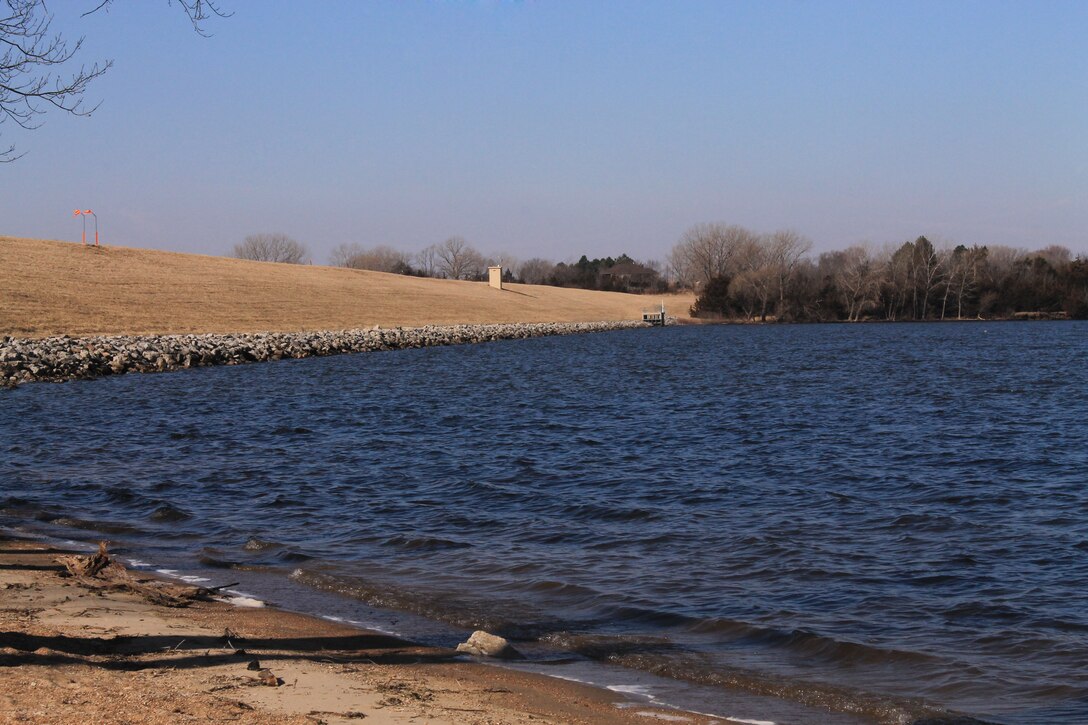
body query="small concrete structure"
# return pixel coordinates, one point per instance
(494, 277)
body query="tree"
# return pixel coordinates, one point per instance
(507, 261)
(1075, 275)
(926, 270)
(536, 271)
(709, 250)
(854, 277)
(379, 259)
(786, 249)
(427, 261)
(31, 79)
(342, 253)
(271, 248)
(963, 270)
(714, 300)
(458, 260)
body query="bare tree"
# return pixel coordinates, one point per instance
(1055, 254)
(707, 251)
(744, 292)
(427, 261)
(855, 277)
(507, 261)
(536, 271)
(927, 270)
(753, 289)
(31, 78)
(785, 250)
(30, 81)
(962, 264)
(342, 253)
(271, 248)
(379, 259)
(457, 260)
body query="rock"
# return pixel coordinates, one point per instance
(483, 644)
(266, 678)
(59, 359)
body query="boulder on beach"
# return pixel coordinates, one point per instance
(483, 644)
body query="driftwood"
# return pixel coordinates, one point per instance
(87, 566)
(101, 571)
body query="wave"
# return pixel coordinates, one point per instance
(596, 512)
(291, 431)
(447, 607)
(105, 527)
(882, 709)
(169, 514)
(425, 543)
(255, 544)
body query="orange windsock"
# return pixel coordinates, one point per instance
(77, 212)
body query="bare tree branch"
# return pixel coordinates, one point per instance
(197, 10)
(32, 81)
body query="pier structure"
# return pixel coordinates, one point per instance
(655, 316)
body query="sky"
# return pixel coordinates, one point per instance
(554, 129)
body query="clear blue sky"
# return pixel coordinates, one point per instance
(555, 128)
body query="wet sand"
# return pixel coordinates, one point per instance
(77, 652)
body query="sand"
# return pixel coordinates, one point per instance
(59, 288)
(73, 652)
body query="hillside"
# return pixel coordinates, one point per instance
(59, 288)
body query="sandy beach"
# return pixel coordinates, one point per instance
(82, 651)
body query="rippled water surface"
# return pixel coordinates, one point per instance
(871, 519)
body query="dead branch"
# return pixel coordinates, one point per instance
(102, 572)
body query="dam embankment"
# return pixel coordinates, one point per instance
(57, 359)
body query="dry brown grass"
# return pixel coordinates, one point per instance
(58, 288)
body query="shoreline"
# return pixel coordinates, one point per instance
(60, 359)
(1018, 317)
(72, 651)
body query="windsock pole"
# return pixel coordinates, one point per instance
(78, 212)
(83, 213)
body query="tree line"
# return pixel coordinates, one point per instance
(456, 258)
(740, 274)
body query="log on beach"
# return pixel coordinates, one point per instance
(101, 571)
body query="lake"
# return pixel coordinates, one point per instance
(875, 521)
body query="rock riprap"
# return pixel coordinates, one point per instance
(56, 359)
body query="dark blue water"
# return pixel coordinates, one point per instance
(872, 519)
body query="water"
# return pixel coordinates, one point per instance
(880, 521)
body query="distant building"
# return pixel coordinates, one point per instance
(627, 275)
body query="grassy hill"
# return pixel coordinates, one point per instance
(59, 288)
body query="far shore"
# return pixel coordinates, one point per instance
(76, 651)
(1016, 317)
